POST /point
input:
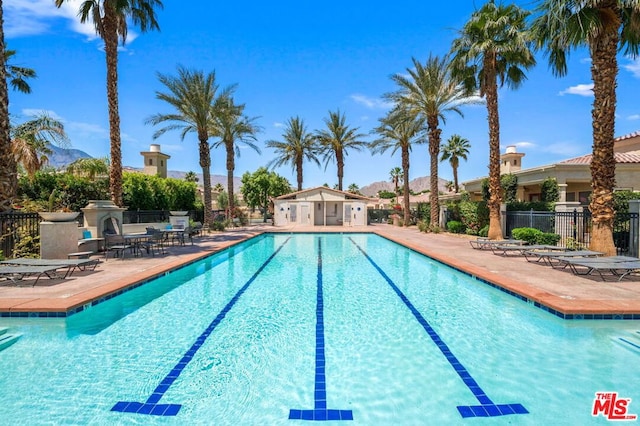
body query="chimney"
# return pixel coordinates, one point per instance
(510, 161)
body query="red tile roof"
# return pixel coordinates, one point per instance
(621, 157)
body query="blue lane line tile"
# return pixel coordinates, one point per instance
(151, 406)
(463, 373)
(320, 411)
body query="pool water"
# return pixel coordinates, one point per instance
(282, 328)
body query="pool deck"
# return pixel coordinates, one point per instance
(558, 291)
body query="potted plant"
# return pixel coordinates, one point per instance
(55, 214)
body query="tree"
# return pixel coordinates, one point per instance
(336, 140)
(400, 130)
(193, 96)
(89, 167)
(298, 146)
(191, 177)
(354, 189)
(493, 46)
(395, 174)
(17, 75)
(456, 148)
(9, 169)
(431, 91)
(109, 18)
(260, 187)
(31, 141)
(604, 26)
(231, 126)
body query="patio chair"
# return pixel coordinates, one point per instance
(550, 257)
(619, 266)
(115, 244)
(70, 264)
(483, 243)
(18, 273)
(520, 250)
(155, 242)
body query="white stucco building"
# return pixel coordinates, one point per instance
(321, 206)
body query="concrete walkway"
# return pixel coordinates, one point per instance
(558, 291)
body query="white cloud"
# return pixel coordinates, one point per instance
(567, 149)
(371, 103)
(277, 124)
(86, 129)
(32, 17)
(586, 60)
(633, 67)
(580, 89)
(524, 144)
(32, 112)
(634, 117)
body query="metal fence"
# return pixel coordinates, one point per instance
(15, 226)
(574, 227)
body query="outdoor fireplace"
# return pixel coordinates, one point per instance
(101, 216)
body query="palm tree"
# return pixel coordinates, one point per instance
(605, 26)
(193, 96)
(354, 189)
(109, 18)
(431, 91)
(31, 141)
(395, 174)
(336, 140)
(400, 130)
(17, 75)
(89, 167)
(298, 146)
(456, 148)
(493, 46)
(9, 169)
(230, 125)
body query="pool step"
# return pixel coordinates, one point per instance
(3, 330)
(630, 341)
(7, 339)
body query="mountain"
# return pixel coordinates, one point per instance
(416, 185)
(62, 157)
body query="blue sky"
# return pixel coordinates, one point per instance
(293, 58)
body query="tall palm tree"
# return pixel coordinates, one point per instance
(9, 169)
(109, 18)
(431, 91)
(456, 148)
(395, 174)
(89, 167)
(231, 126)
(17, 75)
(31, 141)
(400, 130)
(194, 96)
(336, 140)
(298, 146)
(604, 26)
(492, 50)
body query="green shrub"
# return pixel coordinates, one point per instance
(217, 226)
(455, 227)
(529, 235)
(548, 238)
(423, 226)
(484, 232)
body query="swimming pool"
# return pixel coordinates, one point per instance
(287, 327)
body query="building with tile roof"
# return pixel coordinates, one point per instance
(573, 175)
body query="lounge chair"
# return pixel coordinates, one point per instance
(487, 244)
(619, 266)
(70, 264)
(19, 272)
(520, 250)
(549, 257)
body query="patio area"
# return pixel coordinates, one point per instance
(558, 291)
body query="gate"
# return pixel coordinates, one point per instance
(15, 226)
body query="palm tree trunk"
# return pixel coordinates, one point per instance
(455, 177)
(205, 163)
(299, 172)
(340, 162)
(111, 53)
(405, 170)
(604, 69)
(495, 190)
(434, 150)
(9, 169)
(230, 167)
